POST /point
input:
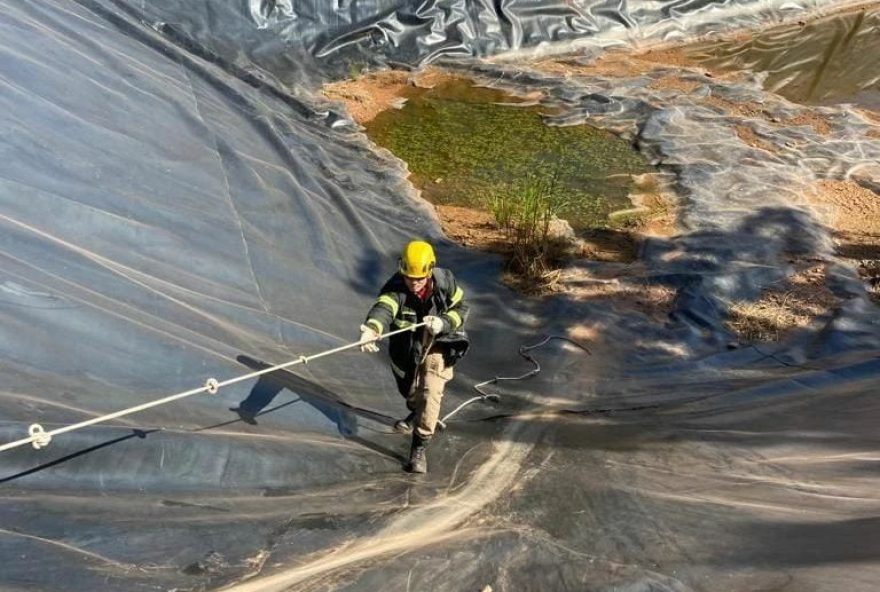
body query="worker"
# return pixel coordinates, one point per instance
(421, 360)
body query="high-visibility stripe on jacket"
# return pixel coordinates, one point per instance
(397, 308)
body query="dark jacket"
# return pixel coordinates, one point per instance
(397, 308)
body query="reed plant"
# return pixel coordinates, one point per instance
(525, 212)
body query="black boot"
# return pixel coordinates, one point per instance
(405, 425)
(418, 461)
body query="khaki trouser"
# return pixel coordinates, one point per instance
(431, 378)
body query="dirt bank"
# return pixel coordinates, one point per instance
(370, 94)
(853, 213)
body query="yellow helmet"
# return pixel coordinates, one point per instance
(417, 260)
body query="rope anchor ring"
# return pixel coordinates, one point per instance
(212, 386)
(40, 439)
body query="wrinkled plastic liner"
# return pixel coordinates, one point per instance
(176, 203)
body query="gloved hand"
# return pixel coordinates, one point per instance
(368, 337)
(433, 324)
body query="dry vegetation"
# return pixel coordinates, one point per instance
(853, 214)
(796, 303)
(478, 230)
(626, 291)
(653, 214)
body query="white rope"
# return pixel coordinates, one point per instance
(495, 397)
(40, 438)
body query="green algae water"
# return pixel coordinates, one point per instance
(466, 144)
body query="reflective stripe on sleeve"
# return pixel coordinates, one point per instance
(457, 296)
(376, 325)
(454, 319)
(390, 302)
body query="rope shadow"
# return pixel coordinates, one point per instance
(141, 434)
(245, 417)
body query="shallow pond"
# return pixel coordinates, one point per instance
(465, 144)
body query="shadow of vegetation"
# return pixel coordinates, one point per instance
(611, 245)
(866, 258)
(688, 281)
(860, 251)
